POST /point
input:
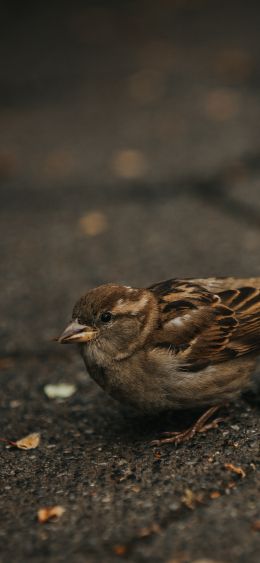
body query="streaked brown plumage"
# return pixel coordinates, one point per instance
(177, 344)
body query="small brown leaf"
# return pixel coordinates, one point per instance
(231, 485)
(29, 442)
(136, 489)
(129, 164)
(215, 494)
(49, 513)
(154, 528)
(238, 470)
(191, 499)
(120, 549)
(93, 223)
(15, 403)
(256, 526)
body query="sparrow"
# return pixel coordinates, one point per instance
(178, 344)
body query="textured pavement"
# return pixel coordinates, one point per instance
(129, 152)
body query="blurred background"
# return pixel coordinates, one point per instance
(129, 151)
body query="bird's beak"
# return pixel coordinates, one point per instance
(76, 332)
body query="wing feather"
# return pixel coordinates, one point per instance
(206, 326)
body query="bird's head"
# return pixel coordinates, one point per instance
(115, 319)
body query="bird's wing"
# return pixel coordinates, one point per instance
(220, 284)
(206, 326)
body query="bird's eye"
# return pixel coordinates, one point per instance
(105, 317)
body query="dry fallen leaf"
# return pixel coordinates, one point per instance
(136, 489)
(215, 494)
(231, 485)
(29, 442)
(148, 530)
(59, 390)
(129, 163)
(15, 403)
(93, 223)
(191, 499)
(49, 513)
(256, 526)
(238, 470)
(120, 549)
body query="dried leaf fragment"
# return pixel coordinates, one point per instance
(49, 513)
(136, 489)
(191, 499)
(29, 442)
(214, 495)
(129, 163)
(15, 403)
(120, 549)
(154, 528)
(256, 526)
(93, 223)
(59, 390)
(231, 485)
(238, 470)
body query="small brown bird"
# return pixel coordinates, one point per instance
(179, 344)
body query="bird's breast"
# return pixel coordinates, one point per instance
(133, 381)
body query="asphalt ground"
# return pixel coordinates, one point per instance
(103, 181)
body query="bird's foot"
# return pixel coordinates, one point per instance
(199, 426)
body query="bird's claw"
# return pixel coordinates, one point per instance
(199, 426)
